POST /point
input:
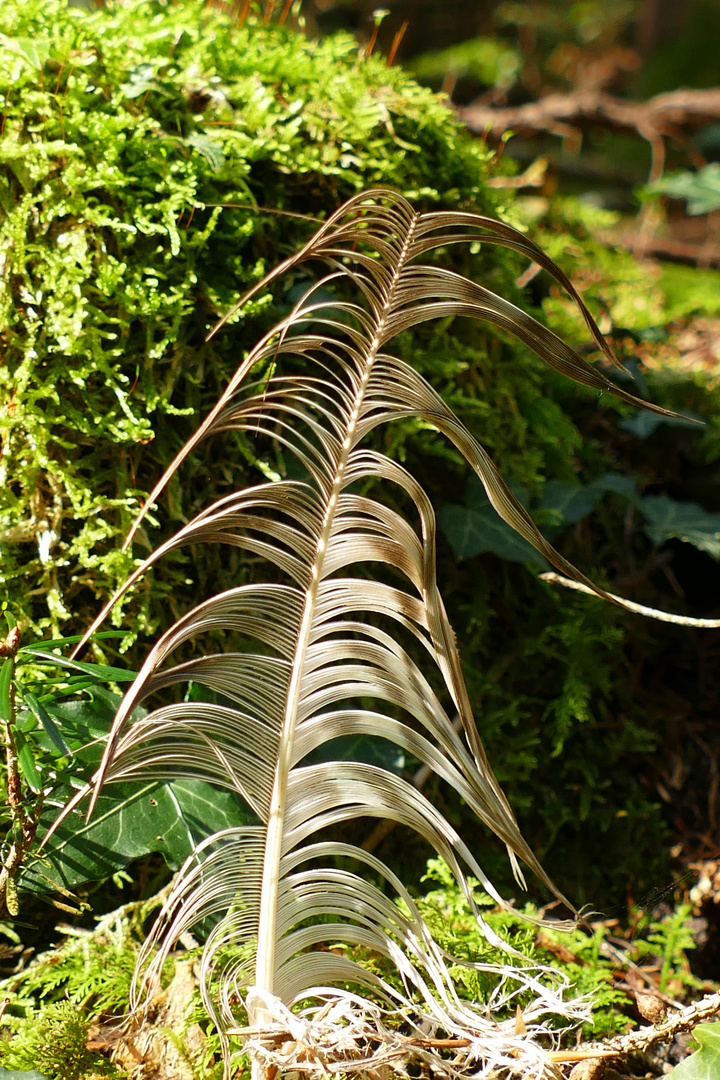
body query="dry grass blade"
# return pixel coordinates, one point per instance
(320, 651)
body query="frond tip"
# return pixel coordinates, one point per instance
(319, 651)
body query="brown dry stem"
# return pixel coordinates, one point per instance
(669, 115)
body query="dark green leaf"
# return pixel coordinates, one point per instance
(366, 748)
(88, 719)
(685, 520)
(571, 501)
(476, 528)
(644, 424)
(619, 485)
(474, 531)
(131, 820)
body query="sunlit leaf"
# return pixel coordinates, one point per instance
(130, 821)
(26, 761)
(704, 1064)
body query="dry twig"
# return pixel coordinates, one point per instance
(651, 613)
(685, 1019)
(568, 115)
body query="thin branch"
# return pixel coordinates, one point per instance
(640, 609)
(679, 251)
(686, 1019)
(23, 824)
(568, 115)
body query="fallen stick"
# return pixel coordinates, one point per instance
(685, 1019)
(567, 115)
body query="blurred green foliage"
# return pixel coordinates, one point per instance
(700, 190)
(488, 60)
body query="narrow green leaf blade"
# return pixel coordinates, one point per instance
(26, 761)
(6, 674)
(61, 642)
(48, 724)
(101, 672)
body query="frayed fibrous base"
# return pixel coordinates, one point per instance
(348, 1036)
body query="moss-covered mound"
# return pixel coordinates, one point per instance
(139, 144)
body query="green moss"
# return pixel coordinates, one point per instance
(690, 290)
(123, 131)
(52, 1002)
(55, 1044)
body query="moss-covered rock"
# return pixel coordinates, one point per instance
(147, 152)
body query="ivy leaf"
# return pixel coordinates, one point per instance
(704, 1064)
(644, 424)
(476, 528)
(474, 532)
(571, 502)
(684, 520)
(129, 821)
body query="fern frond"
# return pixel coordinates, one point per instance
(336, 653)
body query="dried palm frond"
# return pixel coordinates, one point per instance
(327, 663)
